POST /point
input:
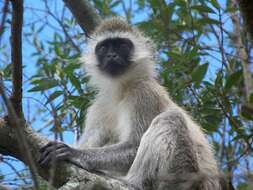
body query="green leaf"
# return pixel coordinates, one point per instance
(210, 127)
(78, 101)
(201, 8)
(58, 51)
(247, 115)
(208, 21)
(233, 79)
(215, 4)
(199, 73)
(115, 4)
(74, 80)
(54, 96)
(218, 81)
(72, 66)
(251, 98)
(246, 111)
(44, 84)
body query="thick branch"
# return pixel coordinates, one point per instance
(246, 7)
(73, 177)
(85, 14)
(16, 55)
(242, 54)
(10, 146)
(17, 124)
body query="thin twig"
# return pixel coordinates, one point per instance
(5, 11)
(15, 171)
(60, 22)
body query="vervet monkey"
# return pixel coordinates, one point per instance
(133, 129)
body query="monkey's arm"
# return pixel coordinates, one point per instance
(117, 157)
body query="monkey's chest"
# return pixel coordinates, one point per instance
(117, 124)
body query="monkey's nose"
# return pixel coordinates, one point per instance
(112, 56)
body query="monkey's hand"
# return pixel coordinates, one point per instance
(58, 151)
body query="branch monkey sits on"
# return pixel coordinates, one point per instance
(133, 128)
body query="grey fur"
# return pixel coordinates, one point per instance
(157, 127)
(136, 132)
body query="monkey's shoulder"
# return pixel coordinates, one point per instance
(148, 92)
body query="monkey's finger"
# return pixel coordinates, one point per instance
(63, 154)
(44, 161)
(51, 150)
(52, 145)
(62, 151)
(59, 154)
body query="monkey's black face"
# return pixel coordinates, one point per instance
(114, 55)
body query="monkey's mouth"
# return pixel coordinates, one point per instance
(113, 68)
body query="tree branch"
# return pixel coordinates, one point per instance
(72, 177)
(9, 146)
(85, 14)
(5, 11)
(16, 55)
(242, 54)
(17, 124)
(246, 7)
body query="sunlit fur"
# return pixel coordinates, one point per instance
(142, 58)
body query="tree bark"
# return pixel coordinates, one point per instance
(246, 8)
(242, 53)
(71, 176)
(84, 13)
(16, 56)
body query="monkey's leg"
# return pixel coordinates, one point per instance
(165, 151)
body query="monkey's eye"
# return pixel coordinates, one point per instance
(101, 50)
(124, 47)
